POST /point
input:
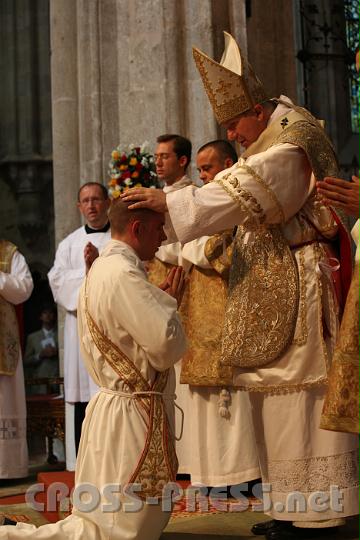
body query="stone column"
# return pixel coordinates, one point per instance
(65, 115)
(123, 73)
(271, 45)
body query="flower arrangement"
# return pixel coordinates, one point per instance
(131, 166)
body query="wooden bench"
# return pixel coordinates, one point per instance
(46, 412)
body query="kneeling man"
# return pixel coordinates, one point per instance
(130, 337)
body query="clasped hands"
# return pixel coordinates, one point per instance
(174, 283)
(90, 254)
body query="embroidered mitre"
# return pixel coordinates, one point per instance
(231, 85)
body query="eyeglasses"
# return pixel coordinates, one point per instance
(91, 200)
(163, 156)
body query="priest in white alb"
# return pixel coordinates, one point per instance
(16, 285)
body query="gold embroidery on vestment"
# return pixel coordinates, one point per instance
(265, 186)
(9, 331)
(341, 405)
(280, 389)
(301, 332)
(201, 365)
(310, 474)
(262, 306)
(232, 186)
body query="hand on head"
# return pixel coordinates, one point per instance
(154, 199)
(340, 194)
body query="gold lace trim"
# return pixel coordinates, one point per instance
(232, 186)
(158, 463)
(277, 389)
(301, 337)
(315, 473)
(265, 186)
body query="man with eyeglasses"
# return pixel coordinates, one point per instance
(172, 157)
(73, 259)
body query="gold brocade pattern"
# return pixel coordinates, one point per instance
(313, 140)
(206, 308)
(308, 475)
(341, 406)
(158, 463)
(157, 271)
(218, 251)
(262, 306)
(229, 93)
(9, 332)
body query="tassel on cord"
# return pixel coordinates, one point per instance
(224, 403)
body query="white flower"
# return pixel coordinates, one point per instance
(117, 187)
(127, 181)
(144, 148)
(144, 162)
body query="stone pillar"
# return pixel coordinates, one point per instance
(65, 115)
(271, 45)
(123, 74)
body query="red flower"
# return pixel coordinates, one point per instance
(138, 167)
(123, 158)
(137, 149)
(125, 174)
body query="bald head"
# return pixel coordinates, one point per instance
(142, 229)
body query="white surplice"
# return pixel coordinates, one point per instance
(65, 278)
(15, 287)
(295, 455)
(143, 322)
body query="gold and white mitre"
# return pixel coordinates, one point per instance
(232, 86)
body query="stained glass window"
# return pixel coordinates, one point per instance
(352, 37)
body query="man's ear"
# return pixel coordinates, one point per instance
(228, 163)
(136, 228)
(79, 207)
(183, 161)
(260, 112)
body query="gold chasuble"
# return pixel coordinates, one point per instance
(341, 406)
(206, 301)
(9, 331)
(263, 302)
(158, 463)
